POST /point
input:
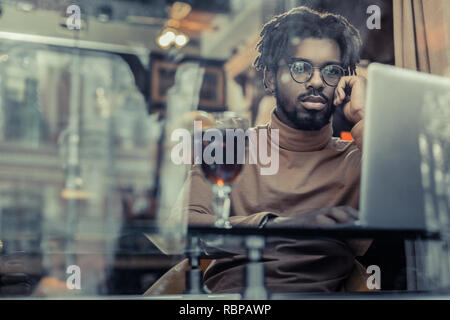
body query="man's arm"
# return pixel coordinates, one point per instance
(198, 205)
(354, 111)
(325, 217)
(196, 202)
(355, 108)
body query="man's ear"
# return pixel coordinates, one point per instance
(269, 81)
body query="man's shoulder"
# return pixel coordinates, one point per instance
(256, 131)
(265, 126)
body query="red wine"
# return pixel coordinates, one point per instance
(223, 173)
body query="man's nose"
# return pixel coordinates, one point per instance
(316, 81)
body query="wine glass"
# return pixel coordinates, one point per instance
(223, 156)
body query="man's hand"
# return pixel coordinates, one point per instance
(318, 218)
(354, 109)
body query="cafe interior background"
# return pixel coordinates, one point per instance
(83, 114)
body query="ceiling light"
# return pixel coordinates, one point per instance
(164, 42)
(181, 40)
(170, 37)
(167, 38)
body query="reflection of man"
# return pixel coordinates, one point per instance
(308, 61)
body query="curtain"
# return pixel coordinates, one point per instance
(422, 35)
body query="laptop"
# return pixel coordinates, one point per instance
(406, 146)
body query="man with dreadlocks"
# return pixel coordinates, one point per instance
(309, 61)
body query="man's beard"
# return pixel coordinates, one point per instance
(308, 120)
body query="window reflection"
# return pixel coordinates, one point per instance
(86, 119)
(78, 158)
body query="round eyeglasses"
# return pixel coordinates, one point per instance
(302, 71)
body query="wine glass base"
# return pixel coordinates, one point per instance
(221, 223)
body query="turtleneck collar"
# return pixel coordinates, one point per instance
(300, 140)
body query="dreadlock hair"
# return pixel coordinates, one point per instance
(303, 22)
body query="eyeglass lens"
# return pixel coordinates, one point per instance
(302, 71)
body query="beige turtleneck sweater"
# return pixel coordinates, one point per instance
(315, 171)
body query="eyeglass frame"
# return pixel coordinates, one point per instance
(290, 61)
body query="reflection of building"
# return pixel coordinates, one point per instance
(95, 138)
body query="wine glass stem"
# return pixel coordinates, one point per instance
(222, 205)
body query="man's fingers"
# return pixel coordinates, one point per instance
(337, 100)
(342, 82)
(340, 90)
(343, 214)
(323, 220)
(341, 93)
(352, 211)
(348, 80)
(339, 215)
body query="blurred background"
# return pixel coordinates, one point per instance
(83, 113)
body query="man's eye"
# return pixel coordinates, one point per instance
(299, 67)
(333, 70)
